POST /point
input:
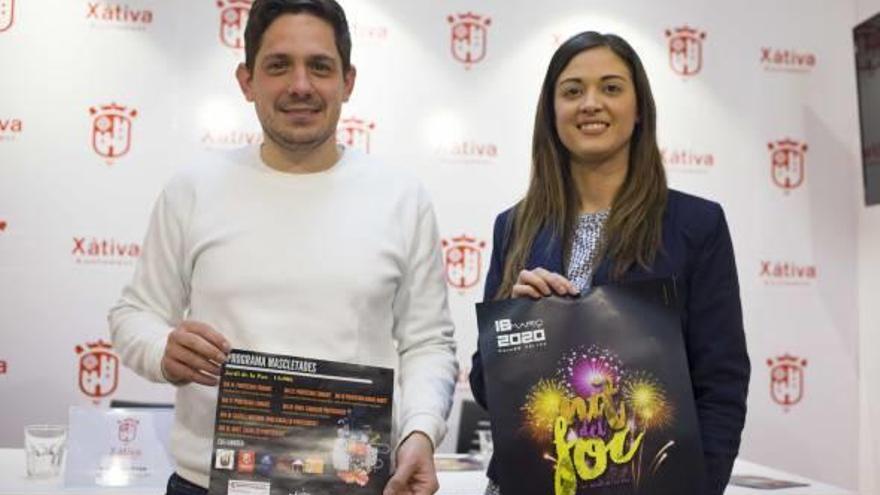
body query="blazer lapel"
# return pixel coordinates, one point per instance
(546, 252)
(602, 273)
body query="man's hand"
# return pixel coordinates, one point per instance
(415, 474)
(194, 353)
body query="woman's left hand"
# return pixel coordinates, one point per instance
(541, 282)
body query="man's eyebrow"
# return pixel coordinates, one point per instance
(322, 58)
(283, 57)
(275, 56)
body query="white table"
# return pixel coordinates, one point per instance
(14, 482)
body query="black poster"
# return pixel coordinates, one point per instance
(591, 395)
(288, 425)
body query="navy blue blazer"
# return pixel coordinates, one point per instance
(698, 252)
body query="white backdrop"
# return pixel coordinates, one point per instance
(101, 102)
(869, 294)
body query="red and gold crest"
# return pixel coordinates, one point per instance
(787, 161)
(7, 14)
(111, 130)
(469, 37)
(685, 50)
(355, 133)
(98, 369)
(787, 379)
(127, 430)
(233, 20)
(463, 259)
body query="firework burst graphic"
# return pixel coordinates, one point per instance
(647, 400)
(542, 407)
(590, 371)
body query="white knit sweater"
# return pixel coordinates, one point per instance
(340, 265)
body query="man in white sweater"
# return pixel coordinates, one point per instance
(297, 247)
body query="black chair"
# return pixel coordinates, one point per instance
(130, 404)
(473, 419)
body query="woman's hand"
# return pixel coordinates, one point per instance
(540, 283)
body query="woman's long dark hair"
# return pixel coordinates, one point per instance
(633, 231)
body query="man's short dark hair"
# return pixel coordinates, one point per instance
(264, 12)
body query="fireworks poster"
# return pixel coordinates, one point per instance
(591, 395)
(288, 425)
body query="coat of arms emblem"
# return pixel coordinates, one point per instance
(463, 259)
(787, 158)
(685, 50)
(7, 14)
(786, 379)
(98, 369)
(111, 130)
(233, 20)
(469, 38)
(355, 133)
(127, 431)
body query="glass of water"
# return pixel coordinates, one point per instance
(44, 447)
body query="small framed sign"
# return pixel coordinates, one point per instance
(118, 448)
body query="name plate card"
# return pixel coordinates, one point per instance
(118, 448)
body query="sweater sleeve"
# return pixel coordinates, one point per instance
(423, 330)
(716, 346)
(157, 296)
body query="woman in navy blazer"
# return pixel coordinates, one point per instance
(598, 211)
